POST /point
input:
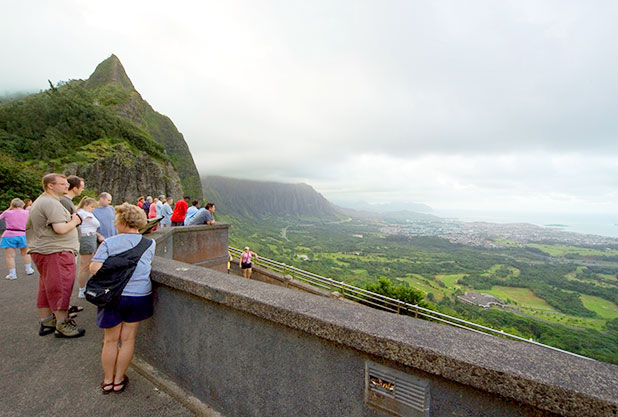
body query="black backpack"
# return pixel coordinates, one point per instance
(105, 287)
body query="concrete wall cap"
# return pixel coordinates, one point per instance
(534, 375)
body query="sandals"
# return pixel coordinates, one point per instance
(75, 309)
(106, 385)
(123, 385)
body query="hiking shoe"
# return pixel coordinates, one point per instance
(29, 271)
(11, 276)
(68, 328)
(48, 326)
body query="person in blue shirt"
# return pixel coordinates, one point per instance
(121, 321)
(105, 215)
(192, 211)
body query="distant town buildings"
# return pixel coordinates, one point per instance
(492, 235)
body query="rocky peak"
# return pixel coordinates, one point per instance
(110, 71)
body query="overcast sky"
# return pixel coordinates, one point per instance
(477, 105)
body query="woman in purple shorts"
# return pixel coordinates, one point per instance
(14, 237)
(120, 323)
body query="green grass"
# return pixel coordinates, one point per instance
(450, 280)
(524, 297)
(603, 308)
(562, 250)
(416, 281)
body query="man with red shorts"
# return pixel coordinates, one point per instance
(53, 242)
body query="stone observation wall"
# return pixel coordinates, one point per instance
(198, 245)
(249, 348)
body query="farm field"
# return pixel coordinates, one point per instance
(523, 297)
(560, 298)
(603, 308)
(563, 250)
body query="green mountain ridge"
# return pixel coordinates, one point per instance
(256, 199)
(100, 129)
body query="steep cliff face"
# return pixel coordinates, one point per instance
(258, 198)
(99, 129)
(111, 83)
(126, 175)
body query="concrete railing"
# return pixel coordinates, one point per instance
(197, 245)
(247, 348)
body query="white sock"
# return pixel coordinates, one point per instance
(12, 271)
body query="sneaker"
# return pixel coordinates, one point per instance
(48, 326)
(82, 293)
(11, 276)
(68, 328)
(29, 271)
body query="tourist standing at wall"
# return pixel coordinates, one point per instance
(160, 202)
(14, 237)
(88, 238)
(245, 262)
(105, 215)
(152, 211)
(166, 212)
(204, 216)
(76, 187)
(146, 205)
(120, 322)
(191, 212)
(53, 243)
(180, 210)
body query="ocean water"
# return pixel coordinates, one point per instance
(602, 224)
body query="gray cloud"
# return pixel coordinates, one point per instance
(355, 96)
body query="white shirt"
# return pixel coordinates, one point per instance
(90, 224)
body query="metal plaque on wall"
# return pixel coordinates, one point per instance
(395, 392)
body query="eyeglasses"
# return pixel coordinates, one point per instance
(66, 184)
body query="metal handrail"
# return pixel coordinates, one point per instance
(386, 303)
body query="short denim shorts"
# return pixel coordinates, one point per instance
(129, 309)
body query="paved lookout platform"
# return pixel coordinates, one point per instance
(48, 376)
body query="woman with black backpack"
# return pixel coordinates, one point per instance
(125, 256)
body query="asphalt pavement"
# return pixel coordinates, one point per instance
(50, 376)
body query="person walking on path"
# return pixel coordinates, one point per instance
(140, 201)
(53, 242)
(88, 238)
(105, 215)
(166, 212)
(76, 187)
(180, 210)
(245, 261)
(14, 237)
(120, 322)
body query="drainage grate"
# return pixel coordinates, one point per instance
(395, 392)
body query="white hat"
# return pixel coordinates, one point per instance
(246, 247)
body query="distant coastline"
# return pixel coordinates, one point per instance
(556, 225)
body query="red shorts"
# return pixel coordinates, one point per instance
(56, 279)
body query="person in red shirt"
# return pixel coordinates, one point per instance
(180, 210)
(140, 201)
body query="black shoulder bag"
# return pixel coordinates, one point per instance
(105, 287)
